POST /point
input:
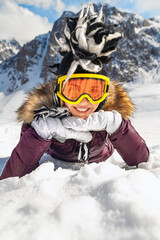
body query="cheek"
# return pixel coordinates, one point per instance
(70, 107)
(95, 106)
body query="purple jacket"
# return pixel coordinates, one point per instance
(26, 155)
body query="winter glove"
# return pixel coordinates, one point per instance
(53, 128)
(97, 121)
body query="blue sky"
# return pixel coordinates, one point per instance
(25, 19)
(127, 5)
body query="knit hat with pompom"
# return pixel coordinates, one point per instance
(86, 43)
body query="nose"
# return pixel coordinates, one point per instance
(84, 100)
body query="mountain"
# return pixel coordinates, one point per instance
(137, 57)
(8, 48)
(25, 67)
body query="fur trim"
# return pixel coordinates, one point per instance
(117, 100)
(37, 98)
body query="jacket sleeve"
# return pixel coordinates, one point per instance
(26, 155)
(129, 144)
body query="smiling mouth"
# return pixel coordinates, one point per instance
(82, 110)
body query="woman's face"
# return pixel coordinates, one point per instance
(82, 109)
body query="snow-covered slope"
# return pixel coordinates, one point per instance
(96, 201)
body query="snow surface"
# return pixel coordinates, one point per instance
(73, 202)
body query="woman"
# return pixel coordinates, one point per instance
(80, 117)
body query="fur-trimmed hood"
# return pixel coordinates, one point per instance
(118, 100)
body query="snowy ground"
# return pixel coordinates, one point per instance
(97, 201)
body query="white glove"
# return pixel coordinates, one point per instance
(53, 128)
(97, 121)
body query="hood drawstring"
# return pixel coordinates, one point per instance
(84, 152)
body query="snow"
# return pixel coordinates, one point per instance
(150, 76)
(76, 202)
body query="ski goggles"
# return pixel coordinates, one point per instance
(94, 87)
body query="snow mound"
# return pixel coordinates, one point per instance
(95, 202)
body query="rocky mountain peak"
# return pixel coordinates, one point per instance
(137, 57)
(8, 48)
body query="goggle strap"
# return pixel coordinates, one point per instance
(107, 89)
(55, 97)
